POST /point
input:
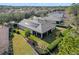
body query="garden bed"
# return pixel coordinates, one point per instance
(41, 46)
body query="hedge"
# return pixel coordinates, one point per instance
(41, 47)
(39, 41)
(54, 44)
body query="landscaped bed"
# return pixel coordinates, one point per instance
(44, 47)
(41, 46)
(40, 42)
(20, 46)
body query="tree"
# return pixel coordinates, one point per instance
(70, 44)
(27, 32)
(28, 15)
(73, 9)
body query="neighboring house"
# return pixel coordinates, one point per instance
(40, 26)
(57, 17)
(41, 11)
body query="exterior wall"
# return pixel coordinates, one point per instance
(41, 35)
(60, 23)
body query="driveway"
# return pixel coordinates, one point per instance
(4, 39)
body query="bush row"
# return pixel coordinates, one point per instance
(54, 44)
(40, 43)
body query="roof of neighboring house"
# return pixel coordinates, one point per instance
(55, 16)
(41, 11)
(41, 24)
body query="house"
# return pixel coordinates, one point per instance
(40, 26)
(41, 11)
(57, 17)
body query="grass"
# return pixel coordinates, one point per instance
(22, 32)
(54, 43)
(20, 46)
(45, 47)
(41, 43)
(48, 41)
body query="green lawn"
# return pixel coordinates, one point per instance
(40, 42)
(22, 32)
(48, 41)
(20, 46)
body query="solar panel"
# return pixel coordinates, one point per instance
(31, 24)
(34, 24)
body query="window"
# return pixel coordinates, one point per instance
(57, 22)
(61, 22)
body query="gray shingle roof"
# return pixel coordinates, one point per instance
(41, 27)
(41, 24)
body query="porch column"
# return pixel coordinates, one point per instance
(31, 32)
(51, 30)
(60, 22)
(47, 33)
(41, 35)
(36, 34)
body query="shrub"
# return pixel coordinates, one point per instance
(27, 34)
(54, 44)
(39, 41)
(41, 46)
(18, 32)
(14, 31)
(15, 25)
(70, 44)
(41, 51)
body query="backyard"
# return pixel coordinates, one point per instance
(40, 42)
(42, 46)
(20, 46)
(22, 32)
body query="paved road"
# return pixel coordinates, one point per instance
(4, 39)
